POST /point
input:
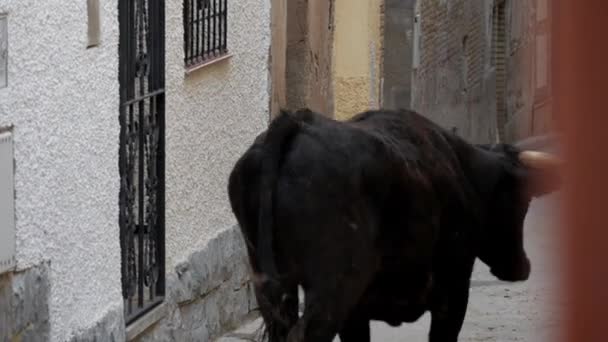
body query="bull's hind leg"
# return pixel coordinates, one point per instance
(278, 309)
(355, 330)
(329, 302)
(324, 314)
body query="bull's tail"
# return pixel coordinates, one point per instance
(279, 132)
(270, 292)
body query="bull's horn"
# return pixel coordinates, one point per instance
(539, 160)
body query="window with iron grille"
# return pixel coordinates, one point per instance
(141, 158)
(205, 30)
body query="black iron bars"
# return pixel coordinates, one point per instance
(142, 155)
(205, 30)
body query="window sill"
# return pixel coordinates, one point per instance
(192, 68)
(146, 321)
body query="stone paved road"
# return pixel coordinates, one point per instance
(497, 311)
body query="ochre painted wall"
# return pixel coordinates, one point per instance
(356, 56)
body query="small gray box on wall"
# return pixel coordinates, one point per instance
(3, 50)
(7, 203)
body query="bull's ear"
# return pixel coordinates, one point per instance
(542, 172)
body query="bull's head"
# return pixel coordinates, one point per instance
(511, 179)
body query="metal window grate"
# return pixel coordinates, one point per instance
(141, 154)
(205, 30)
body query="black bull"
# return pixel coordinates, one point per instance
(377, 218)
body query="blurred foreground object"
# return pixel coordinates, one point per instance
(580, 74)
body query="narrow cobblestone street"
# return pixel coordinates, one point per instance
(497, 311)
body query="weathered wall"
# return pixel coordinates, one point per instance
(278, 56)
(320, 41)
(24, 303)
(454, 82)
(528, 86)
(62, 99)
(357, 56)
(297, 77)
(458, 82)
(309, 55)
(376, 49)
(397, 53)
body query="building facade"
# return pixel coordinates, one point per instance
(60, 104)
(452, 69)
(123, 120)
(120, 121)
(326, 55)
(481, 68)
(478, 68)
(529, 61)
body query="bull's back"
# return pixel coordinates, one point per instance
(326, 205)
(343, 193)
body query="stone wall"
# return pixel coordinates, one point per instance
(208, 294)
(454, 83)
(24, 305)
(110, 327)
(483, 69)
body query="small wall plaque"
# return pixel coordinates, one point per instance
(3, 50)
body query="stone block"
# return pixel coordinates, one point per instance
(111, 329)
(208, 294)
(24, 299)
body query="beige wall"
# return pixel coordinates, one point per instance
(357, 56)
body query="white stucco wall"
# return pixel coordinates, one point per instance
(63, 102)
(213, 115)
